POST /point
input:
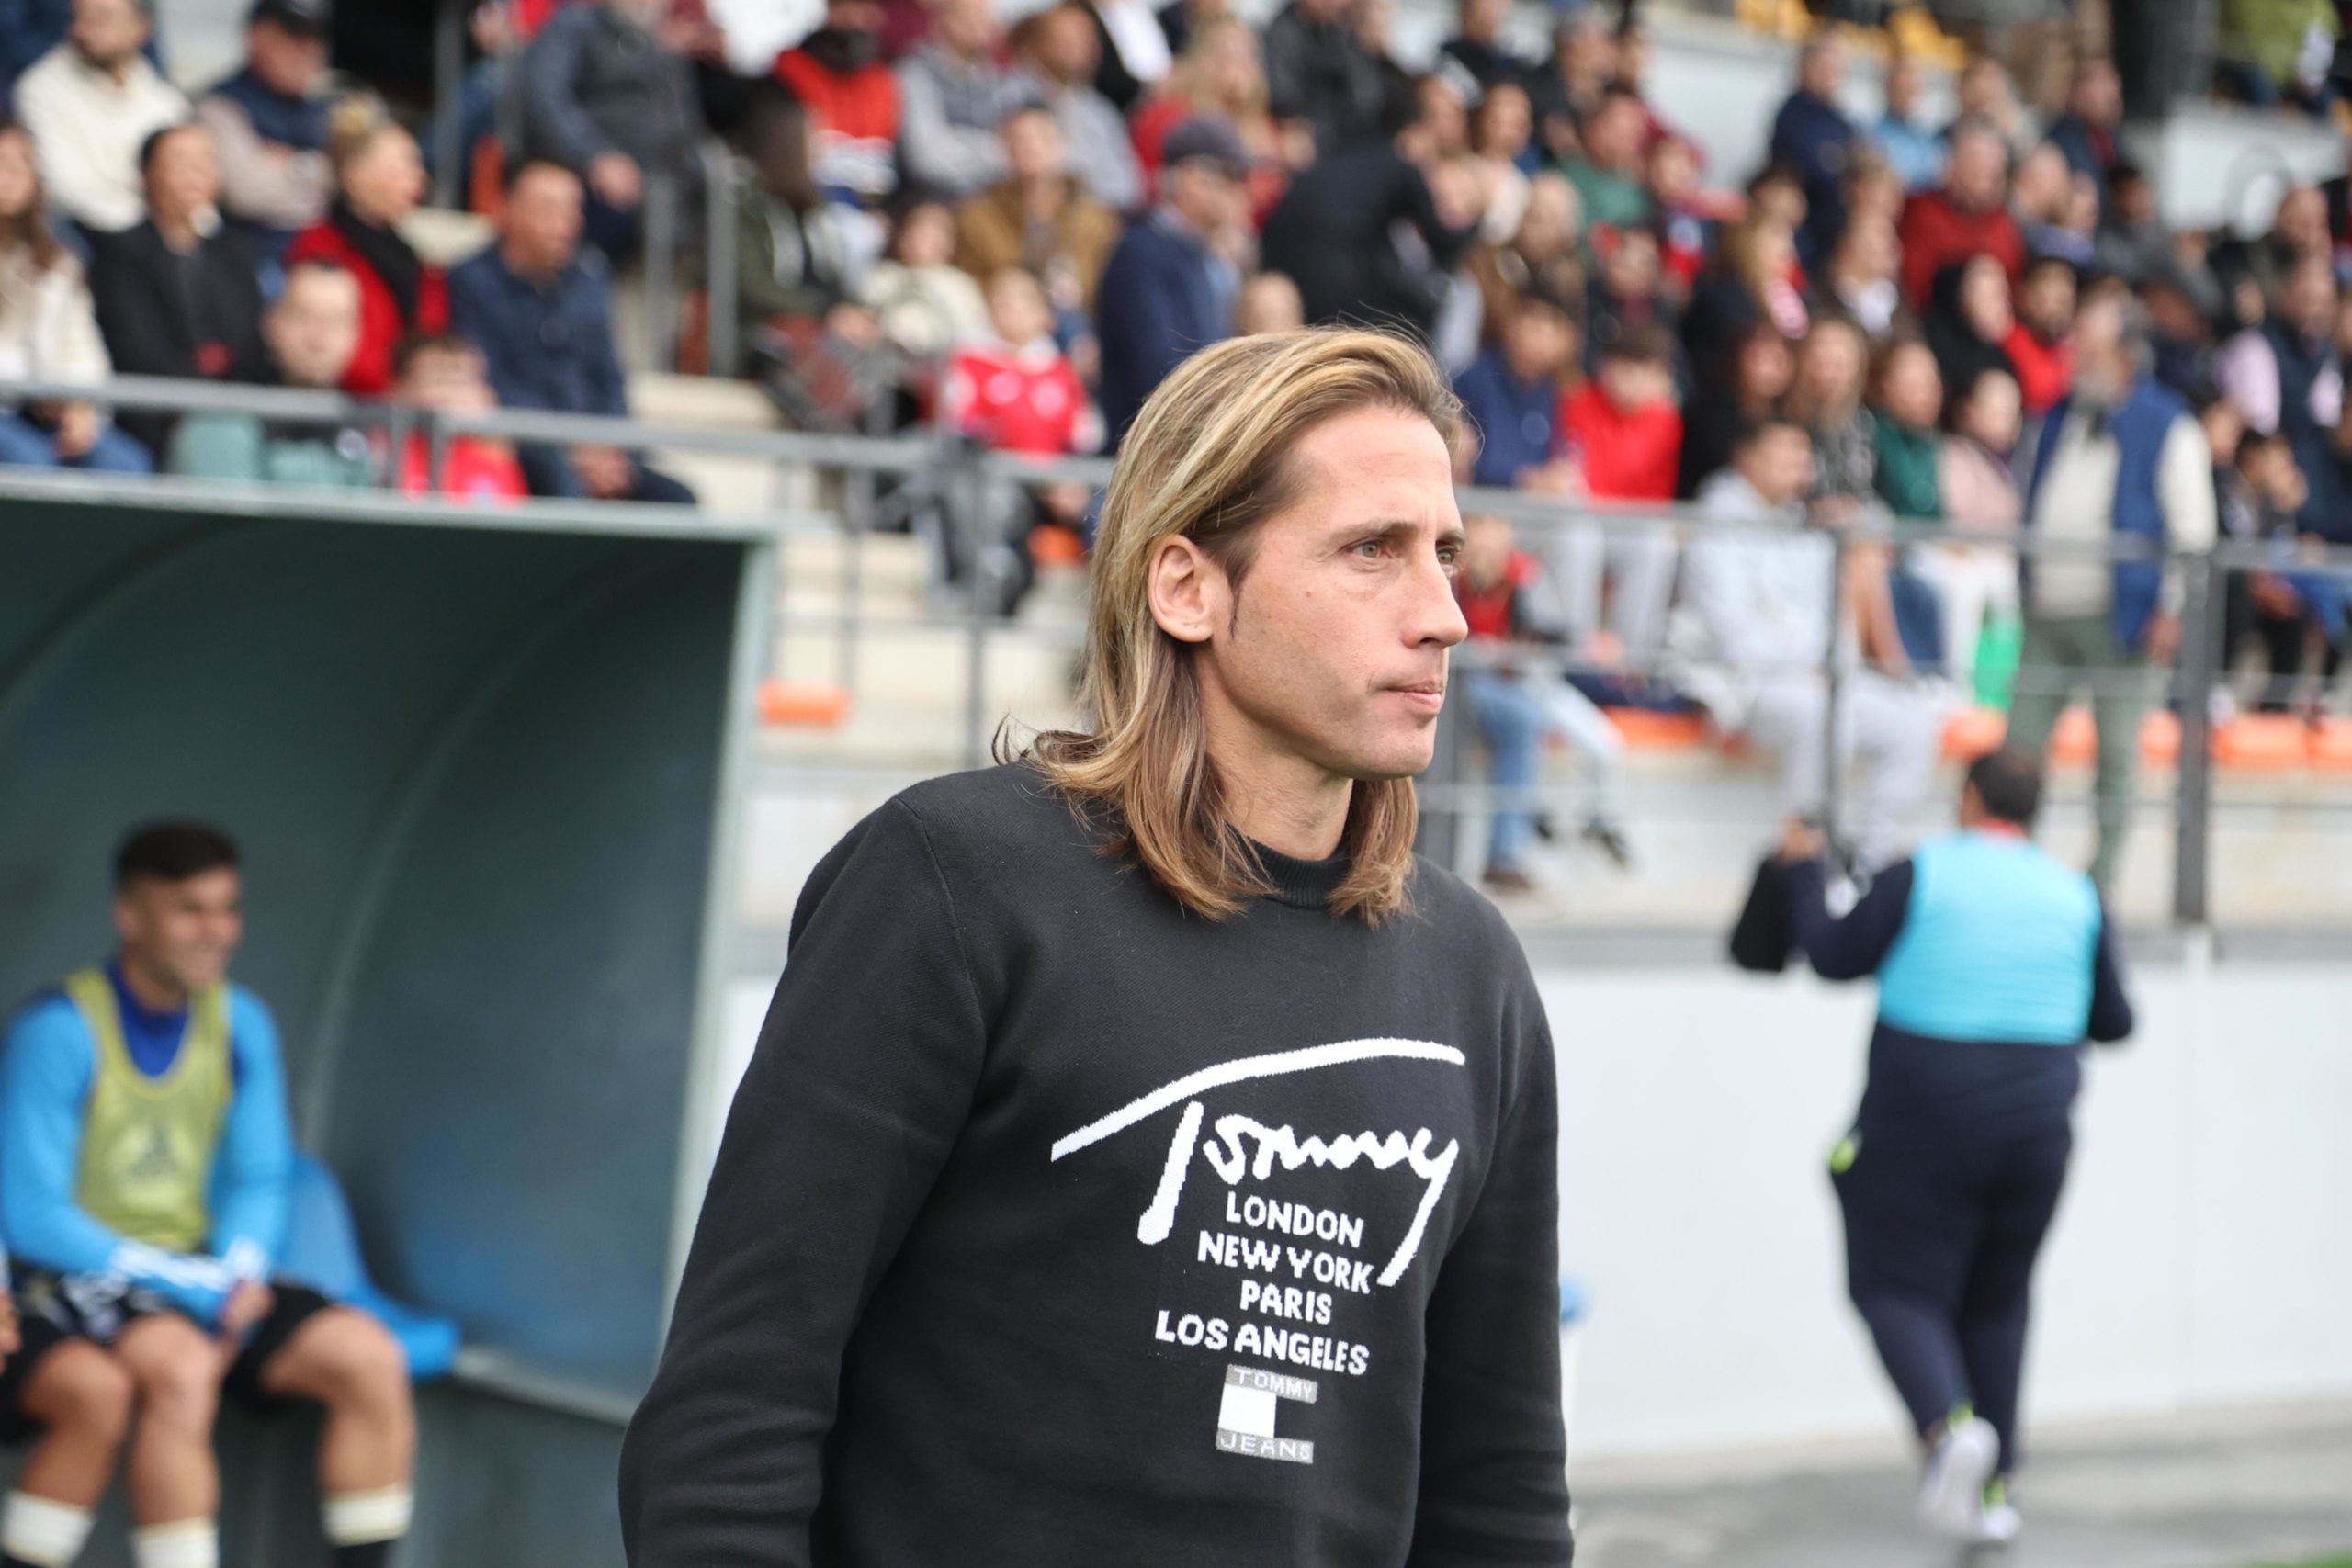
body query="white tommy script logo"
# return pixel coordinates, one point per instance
(1246, 1148)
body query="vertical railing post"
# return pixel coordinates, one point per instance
(1832, 780)
(449, 103)
(2201, 636)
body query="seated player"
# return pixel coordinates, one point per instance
(73, 1396)
(144, 1165)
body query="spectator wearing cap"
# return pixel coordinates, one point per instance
(1811, 135)
(540, 309)
(1320, 75)
(953, 98)
(90, 103)
(269, 120)
(1059, 50)
(1222, 74)
(1916, 152)
(311, 329)
(2121, 458)
(1965, 216)
(379, 180)
(838, 74)
(1334, 234)
(600, 91)
(1039, 219)
(174, 295)
(1166, 290)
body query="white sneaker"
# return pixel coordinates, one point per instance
(1951, 1495)
(1998, 1524)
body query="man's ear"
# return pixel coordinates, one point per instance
(1188, 591)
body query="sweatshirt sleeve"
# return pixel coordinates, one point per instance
(44, 1082)
(862, 1079)
(1853, 945)
(257, 1163)
(2111, 1021)
(1493, 1453)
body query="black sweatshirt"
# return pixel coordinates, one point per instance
(1055, 1225)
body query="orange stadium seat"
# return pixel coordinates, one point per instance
(2262, 741)
(2331, 745)
(805, 703)
(1643, 731)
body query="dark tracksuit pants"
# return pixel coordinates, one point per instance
(1948, 1183)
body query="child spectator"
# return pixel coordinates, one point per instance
(445, 373)
(1511, 394)
(49, 332)
(1980, 498)
(312, 330)
(1502, 591)
(1686, 219)
(1628, 295)
(2041, 343)
(1015, 391)
(926, 303)
(1622, 435)
(379, 180)
(1268, 303)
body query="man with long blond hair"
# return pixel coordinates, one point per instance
(1147, 1160)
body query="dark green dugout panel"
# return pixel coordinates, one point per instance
(482, 766)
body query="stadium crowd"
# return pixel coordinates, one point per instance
(1018, 232)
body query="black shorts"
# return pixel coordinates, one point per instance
(52, 1308)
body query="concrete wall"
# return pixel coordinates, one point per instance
(2203, 1253)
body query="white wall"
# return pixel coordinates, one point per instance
(2203, 1253)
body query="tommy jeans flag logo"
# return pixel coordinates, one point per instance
(1245, 1418)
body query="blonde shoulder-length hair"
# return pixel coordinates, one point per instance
(1209, 458)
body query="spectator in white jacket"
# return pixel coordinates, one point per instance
(1764, 610)
(90, 104)
(49, 333)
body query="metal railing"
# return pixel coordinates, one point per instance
(866, 464)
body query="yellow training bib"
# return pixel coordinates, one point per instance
(148, 1144)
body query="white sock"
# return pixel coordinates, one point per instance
(362, 1519)
(188, 1543)
(36, 1531)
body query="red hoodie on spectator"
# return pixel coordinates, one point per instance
(853, 121)
(1936, 233)
(1627, 453)
(1020, 399)
(2045, 370)
(380, 324)
(472, 469)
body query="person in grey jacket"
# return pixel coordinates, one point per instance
(601, 92)
(953, 98)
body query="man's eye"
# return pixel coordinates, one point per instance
(1367, 549)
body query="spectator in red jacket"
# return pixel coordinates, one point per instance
(839, 76)
(1623, 435)
(446, 374)
(1015, 391)
(2041, 343)
(379, 180)
(1967, 215)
